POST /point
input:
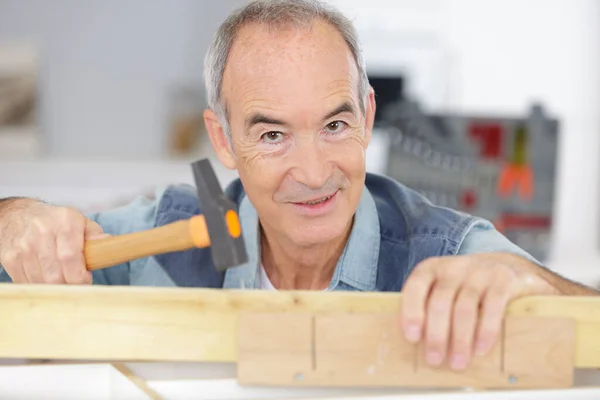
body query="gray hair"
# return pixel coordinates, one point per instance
(274, 14)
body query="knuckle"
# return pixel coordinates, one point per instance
(25, 247)
(67, 255)
(447, 273)
(63, 211)
(452, 272)
(68, 214)
(471, 292)
(416, 285)
(40, 226)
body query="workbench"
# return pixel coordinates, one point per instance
(179, 343)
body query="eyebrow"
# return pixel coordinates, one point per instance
(259, 118)
(342, 108)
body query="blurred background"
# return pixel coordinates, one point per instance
(488, 106)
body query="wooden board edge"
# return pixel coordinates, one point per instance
(36, 306)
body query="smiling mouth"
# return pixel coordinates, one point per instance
(319, 201)
(316, 201)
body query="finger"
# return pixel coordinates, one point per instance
(93, 230)
(439, 314)
(464, 317)
(29, 261)
(14, 267)
(69, 250)
(493, 308)
(414, 298)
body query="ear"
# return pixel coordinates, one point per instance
(219, 139)
(369, 115)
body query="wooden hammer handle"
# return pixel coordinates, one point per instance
(176, 236)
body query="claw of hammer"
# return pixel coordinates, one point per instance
(218, 227)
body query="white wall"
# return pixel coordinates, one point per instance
(108, 66)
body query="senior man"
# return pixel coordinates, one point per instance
(290, 107)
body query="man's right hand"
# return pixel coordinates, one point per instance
(40, 243)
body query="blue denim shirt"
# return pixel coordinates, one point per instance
(394, 229)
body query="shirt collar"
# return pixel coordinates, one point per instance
(356, 267)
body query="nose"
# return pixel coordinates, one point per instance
(312, 166)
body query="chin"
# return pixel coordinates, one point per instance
(310, 234)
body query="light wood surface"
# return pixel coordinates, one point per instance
(365, 349)
(177, 236)
(182, 324)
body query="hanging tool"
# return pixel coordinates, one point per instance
(517, 172)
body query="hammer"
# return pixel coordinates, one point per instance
(218, 227)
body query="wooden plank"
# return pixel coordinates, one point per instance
(185, 324)
(264, 338)
(539, 351)
(146, 323)
(585, 311)
(365, 350)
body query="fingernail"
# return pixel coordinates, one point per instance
(413, 333)
(434, 358)
(458, 361)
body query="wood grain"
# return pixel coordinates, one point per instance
(365, 350)
(184, 324)
(265, 337)
(539, 350)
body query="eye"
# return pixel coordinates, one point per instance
(272, 137)
(335, 126)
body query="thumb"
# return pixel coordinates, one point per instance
(93, 230)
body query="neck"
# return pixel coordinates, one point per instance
(292, 267)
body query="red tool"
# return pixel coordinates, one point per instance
(517, 172)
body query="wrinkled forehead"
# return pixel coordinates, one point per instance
(287, 67)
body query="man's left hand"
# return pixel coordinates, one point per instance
(456, 305)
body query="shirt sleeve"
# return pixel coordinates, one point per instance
(483, 237)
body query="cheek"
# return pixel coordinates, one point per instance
(261, 179)
(350, 157)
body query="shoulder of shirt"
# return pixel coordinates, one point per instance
(402, 209)
(404, 213)
(483, 237)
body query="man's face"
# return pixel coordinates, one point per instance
(299, 136)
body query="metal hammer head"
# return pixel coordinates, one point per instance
(226, 241)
